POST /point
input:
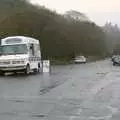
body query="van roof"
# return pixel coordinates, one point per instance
(24, 38)
(21, 37)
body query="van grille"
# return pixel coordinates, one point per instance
(4, 62)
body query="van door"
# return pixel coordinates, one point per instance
(32, 58)
(37, 53)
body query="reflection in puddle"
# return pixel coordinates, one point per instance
(46, 83)
(50, 81)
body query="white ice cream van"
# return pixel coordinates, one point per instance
(20, 54)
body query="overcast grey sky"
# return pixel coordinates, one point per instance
(99, 11)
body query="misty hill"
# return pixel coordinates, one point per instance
(113, 36)
(59, 37)
(7, 7)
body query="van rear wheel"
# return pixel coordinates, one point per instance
(39, 68)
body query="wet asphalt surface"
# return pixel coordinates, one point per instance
(88, 91)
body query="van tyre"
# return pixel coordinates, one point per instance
(2, 73)
(114, 64)
(27, 70)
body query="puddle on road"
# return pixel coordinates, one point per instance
(38, 115)
(47, 89)
(102, 74)
(19, 101)
(51, 81)
(9, 113)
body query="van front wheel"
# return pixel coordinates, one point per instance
(27, 70)
(2, 73)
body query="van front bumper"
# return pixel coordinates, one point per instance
(12, 68)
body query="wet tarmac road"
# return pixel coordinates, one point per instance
(76, 92)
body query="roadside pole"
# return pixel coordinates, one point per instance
(46, 79)
(46, 66)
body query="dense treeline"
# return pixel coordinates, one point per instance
(112, 37)
(60, 37)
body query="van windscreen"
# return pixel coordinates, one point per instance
(13, 49)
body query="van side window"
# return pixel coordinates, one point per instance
(36, 50)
